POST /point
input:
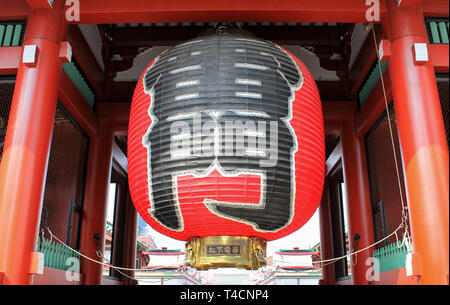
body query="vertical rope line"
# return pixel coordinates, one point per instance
(391, 134)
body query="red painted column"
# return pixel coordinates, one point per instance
(25, 155)
(358, 199)
(95, 202)
(130, 239)
(423, 143)
(326, 238)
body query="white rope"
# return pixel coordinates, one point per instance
(391, 134)
(328, 261)
(109, 265)
(354, 263)
(102, 263)
(332, 260)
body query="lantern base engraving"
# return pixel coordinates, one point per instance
(226, 252)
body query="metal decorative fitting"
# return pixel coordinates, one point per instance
(226, 252)
(222, 30)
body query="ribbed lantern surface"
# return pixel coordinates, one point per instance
(226, 138)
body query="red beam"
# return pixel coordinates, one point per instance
(118, 11)
(19, 9)
(116, 114)
(404, 3)
(14, 10)
(120, 128)
(332, 129)
(439, 57)
(37, 4)
(114, 111)
(77, 106)
(9, 59)
(335, 112)
(435, 8)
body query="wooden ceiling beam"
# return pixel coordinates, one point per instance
(170, 35)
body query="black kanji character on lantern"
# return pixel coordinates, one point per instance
(223, 101)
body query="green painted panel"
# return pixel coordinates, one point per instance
(371, 82)
(8, 35)
(79, 82)
(55, 254)
(391, 257)
(2, 33)
(443, 31)
(11, 33)
(438, 30)
(17, 35)
(434, 32)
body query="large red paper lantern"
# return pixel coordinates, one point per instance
(226, 138)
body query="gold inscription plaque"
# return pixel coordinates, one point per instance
(226, 252)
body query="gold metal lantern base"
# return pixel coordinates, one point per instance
(212, 252)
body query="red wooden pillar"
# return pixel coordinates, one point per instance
(25, 155)
(326, 238)
(95, 202)
(423, 143)
(358, 199)
(130, 236)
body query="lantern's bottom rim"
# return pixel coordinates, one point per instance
(213, 252)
